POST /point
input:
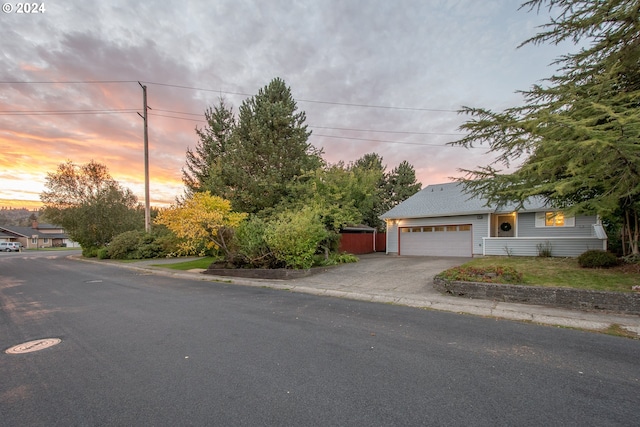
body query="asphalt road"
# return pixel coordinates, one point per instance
(139, 349)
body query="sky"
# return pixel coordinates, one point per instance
(372, 76)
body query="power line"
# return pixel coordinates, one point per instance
(178, 118)
(63, 112)
(309, 100)
(17, 82)
(346, 104)
(383, 141)
(387, 131)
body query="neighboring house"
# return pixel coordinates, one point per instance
(443, 220)
(36, 236)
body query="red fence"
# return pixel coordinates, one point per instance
(363, 243)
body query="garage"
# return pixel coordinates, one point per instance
(443, 240)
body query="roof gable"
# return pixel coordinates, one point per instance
(449, 199)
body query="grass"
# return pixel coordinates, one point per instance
(562, 272)
(189, 265)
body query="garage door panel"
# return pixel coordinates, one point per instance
(436, 241)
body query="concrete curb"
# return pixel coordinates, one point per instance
(500, 310)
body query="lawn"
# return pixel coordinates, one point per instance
(189, 265)
(564, 272)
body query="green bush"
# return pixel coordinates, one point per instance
(336, 258)
(294, 236)
(250, 246)
(102, 253)
(89, 252)
(597, 259)
(124, 244)
(140, 245)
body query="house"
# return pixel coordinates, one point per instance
(37, 236)
(444, 220)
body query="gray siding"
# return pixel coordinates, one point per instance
(560, 247)
(392, 239)
(527, 227)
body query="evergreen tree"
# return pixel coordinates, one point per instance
(269, 150)
(203, 170)
(401, 184)
(578, 137)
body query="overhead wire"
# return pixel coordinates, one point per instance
(133, 110)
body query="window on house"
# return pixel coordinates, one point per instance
(452, 228)
(46, 240)
(34, 241)
(554, 219)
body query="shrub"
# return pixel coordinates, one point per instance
(124, 244)
(140, 245)
(294, 237)
(89, 252)
(250, 246)
(335, 258)
(544, 249)
(102, 253)
(597, 259)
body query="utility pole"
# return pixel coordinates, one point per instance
(147, 205)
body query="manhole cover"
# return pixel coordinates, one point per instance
(35, 345)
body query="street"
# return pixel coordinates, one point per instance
(144, 349)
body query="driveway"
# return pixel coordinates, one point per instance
(383, 274)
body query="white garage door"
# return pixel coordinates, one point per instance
(446, 240)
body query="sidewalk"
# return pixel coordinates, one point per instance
(408, 281)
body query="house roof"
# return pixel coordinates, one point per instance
(450, 199)
(30, 232)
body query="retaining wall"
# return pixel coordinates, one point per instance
(619, 302)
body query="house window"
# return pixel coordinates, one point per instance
(438, 229)
(34, 241)
(452, 228)
(465, 228)
(46, 240)
(416, 230)
(554, 219)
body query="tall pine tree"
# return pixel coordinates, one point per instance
(270, 149)
(203, 170)
(577, 137)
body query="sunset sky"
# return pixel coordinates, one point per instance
(372, 76)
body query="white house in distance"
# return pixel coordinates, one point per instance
(443, 220)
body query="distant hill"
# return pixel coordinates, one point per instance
(17, 217)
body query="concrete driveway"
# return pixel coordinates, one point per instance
(383, 274)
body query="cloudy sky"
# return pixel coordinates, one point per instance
(372, 76)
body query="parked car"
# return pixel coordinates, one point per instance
(10, 246)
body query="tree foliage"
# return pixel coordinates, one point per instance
(202, 221)
(90, 205)
(577, 137)
(203, 169)
(294, 237)
(269, 150)
(401, 184)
